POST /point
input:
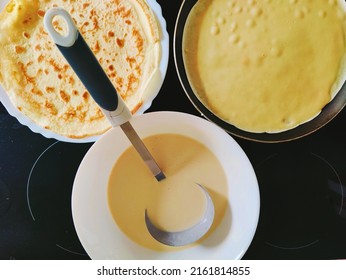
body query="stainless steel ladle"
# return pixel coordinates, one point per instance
(85, 65)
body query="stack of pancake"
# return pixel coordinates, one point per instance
(124, 36)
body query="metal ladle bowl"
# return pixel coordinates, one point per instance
(188, 236)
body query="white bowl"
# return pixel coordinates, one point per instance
(100, 235)
(159, 78)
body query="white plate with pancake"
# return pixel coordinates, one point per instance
(99, 233)
(154, 86)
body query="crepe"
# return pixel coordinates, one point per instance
(124, 36)
(266, 66)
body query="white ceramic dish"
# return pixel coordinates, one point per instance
(99, 234)
(12, 110)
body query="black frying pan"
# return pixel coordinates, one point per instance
(327, 114)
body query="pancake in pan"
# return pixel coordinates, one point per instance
(266, 66)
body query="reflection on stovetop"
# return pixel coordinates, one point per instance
(302, 186)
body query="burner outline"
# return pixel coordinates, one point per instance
(70, 251)
(293, 248)
(28, 199)
(29, 178)
(341, 204)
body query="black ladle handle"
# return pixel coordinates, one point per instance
(86, 66)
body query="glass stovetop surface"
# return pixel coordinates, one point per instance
(302, 187)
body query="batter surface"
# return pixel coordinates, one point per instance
(174, 203)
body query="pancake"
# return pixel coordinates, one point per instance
(265, 66)
(124, 36)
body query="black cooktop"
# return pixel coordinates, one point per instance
(302, 186)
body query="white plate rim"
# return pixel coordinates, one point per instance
(95, 226)
(24, 120)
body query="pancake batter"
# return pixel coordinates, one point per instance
(174, 203)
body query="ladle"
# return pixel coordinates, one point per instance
(85, 65)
